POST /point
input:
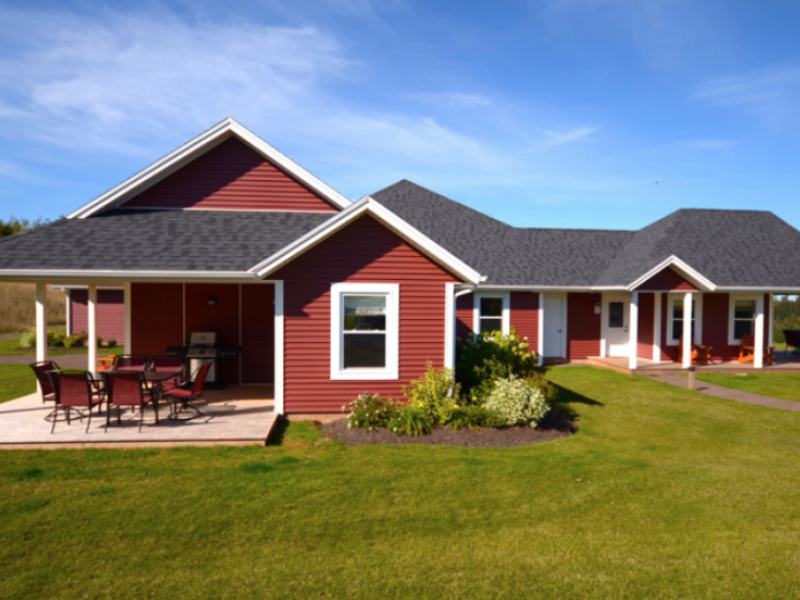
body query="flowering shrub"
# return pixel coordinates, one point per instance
(435, 394)
(412, 421)
(518, 401)
(470, 416)
(369, 411)
(485, 359)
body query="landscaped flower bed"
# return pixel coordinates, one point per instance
(500, 399)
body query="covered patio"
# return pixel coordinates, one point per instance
(235, 415)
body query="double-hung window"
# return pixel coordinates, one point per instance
(364, 331)
(743, 318)
(675, 325)
(491, 313)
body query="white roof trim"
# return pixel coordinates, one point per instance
(367, 205)
(194, 148)
(82, 275)
(673, 261)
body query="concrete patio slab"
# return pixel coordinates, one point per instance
(238, 415)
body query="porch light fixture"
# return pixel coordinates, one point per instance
(597, 306)
(212, 300)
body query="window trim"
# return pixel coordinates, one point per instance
(732, 341)
(506, 314)
(391, 371)
(698, 317)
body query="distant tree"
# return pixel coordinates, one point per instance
(14, 225)
(787, 316)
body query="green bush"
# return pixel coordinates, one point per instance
(412, 421)
(369, 411)
(74, 341)
(435, 394)
(470, 416)
(99, 341)
(518, 402)
(28, 339)
(56, 339)
(485, 359)
(112, 343)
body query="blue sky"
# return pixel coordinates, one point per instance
(551, 113)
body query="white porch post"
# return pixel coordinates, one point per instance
(450, 325)
(771, 321)
(41, 321)
(657, 328)
(540, 331)
(128, 332)
(278, 387)
(758, 354)
(603, 327)
(92, 340)
(686, 359)
(633, 331)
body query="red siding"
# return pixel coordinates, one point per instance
(365, 251)
(667, 280)
(524, 316)
(258, 334)
(646, 329)
(231, 176)
(464, 310)
(156, 317)
(110, 313)
(222, 318)
(583, 326)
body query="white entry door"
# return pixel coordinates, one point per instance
(555, 325)
(617, 317)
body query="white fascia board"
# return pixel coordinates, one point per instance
(196, 147)
(766, 290)
(69, 276)
(693, 275)
(367, 205)
(550, 288)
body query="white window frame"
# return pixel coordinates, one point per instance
(697, 314)
(476, 310)
(732, 341)
(392, 293)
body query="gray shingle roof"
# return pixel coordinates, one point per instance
(732, 248)
(158, 240)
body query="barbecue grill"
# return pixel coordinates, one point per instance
(205, 347)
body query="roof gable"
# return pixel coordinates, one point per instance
(196, 147)
(230, 176)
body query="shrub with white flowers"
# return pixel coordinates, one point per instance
(517, 401)
(369, 411)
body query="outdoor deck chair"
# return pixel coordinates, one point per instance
(130, 362)
(701, 355)
(747, 351)
(128, 389)
(193, 390)
(41, 370)
(75, 390)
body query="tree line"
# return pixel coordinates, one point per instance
(787, 315)
(14, 225)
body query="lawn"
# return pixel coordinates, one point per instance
(664, 493)
(775, 385)
(16, 381)
(10, 347)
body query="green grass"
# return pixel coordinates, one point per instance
(16, 381)
(664, 493)
(775, 385)
(10, 347)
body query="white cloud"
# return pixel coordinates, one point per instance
(771, 94)
(453, 99)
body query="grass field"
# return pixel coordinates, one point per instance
(664, 493)
(18, 306)
(775, 385)
(16, 381)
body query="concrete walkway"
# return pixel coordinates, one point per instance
(68, 361)
(727, 393)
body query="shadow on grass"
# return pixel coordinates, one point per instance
(564, 399)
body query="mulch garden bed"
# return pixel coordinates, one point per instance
(555, 426)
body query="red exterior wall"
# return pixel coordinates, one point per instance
(583, 326)
(231, 176)
(110, 313)
(464, 310)
(647, 309)
(156, 317)
(365, 251)
(524, 316)
(258, 334)
(667, 280)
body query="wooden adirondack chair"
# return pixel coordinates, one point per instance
(747, 351)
